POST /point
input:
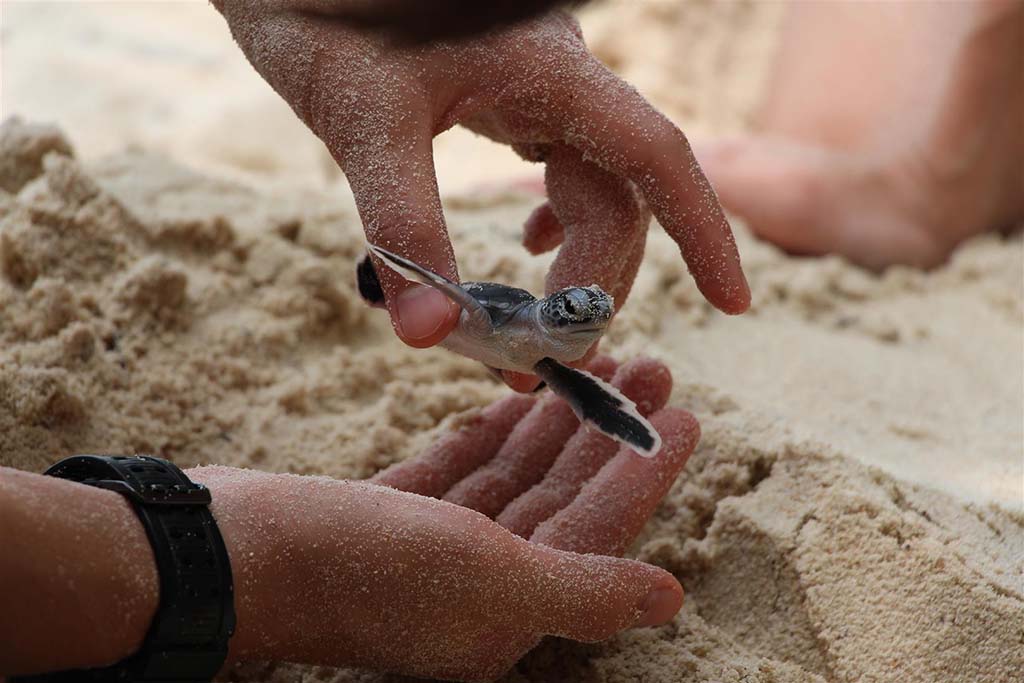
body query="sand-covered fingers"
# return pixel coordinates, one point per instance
(526, 455)
(600, 221)
(613, 506)
(371, 107)
(648, 383)
(614, 126)
(522, 460)
(542, 232)
(460, 452)
(630, 267)
(602, 217)
(395, 188)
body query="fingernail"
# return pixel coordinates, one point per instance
(658, 607)
(422, 311)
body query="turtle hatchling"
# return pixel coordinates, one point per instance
(510, 329)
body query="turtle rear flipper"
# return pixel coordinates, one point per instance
(479, 319)
(368, 283)
(599, 403)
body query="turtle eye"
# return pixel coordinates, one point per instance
(569, 307)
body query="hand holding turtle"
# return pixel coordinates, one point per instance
(510, 330)
(377, 104)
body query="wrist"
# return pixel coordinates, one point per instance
(241, 502)
(291, 541)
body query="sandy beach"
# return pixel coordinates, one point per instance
(177, 277)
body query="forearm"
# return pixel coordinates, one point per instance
(325, 571)
(78, 581)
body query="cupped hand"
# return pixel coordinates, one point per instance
(370, 574)
(527, 463)
(377, 104)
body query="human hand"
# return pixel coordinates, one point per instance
(378, 103)
(358, 573)
(527, 463)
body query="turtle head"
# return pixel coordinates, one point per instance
(577, 312)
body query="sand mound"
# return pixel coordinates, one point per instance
(147, 308)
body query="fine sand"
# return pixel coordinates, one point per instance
(854, 510)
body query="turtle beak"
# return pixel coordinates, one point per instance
(590, 329)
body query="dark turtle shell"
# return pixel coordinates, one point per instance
(501, 301)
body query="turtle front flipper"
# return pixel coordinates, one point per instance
(599, 403)
(479, 319)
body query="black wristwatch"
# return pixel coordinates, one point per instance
(187, 641)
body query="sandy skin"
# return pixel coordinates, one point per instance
(609, 155)
(396, 574)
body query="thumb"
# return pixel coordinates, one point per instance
(382, 144)
(593, 597)
(396, 193)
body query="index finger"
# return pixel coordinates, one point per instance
(614, 126)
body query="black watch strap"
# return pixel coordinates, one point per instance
(188, 639)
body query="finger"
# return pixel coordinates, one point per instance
(592, 597)
(396, 194)
(603, 228)
(602, 218)
(538, 437)
(617, 128)
(644, 380)
(612, 507)
(526, 454)
(473, 442)
(384, 146)
(620, 293)
(629, 270)
(520, 381)
(542, 232)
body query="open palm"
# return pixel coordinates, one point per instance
(526, 462)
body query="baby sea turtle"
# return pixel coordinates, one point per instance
(510, 329)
